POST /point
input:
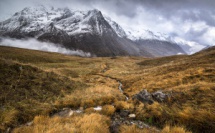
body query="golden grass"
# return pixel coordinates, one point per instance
(175, 129)
(61, 81)
(108, 110)
(90, 97)
(92, 123)
(124, 105)
(8, 117)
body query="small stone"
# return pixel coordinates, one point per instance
(29, 123)
(144, 96)
(66, 112)
(81, 108)
(131, 115)
(70, 113)
(8, 130)
(78, 111)
(98, 108)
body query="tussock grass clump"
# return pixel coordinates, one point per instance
(108, 110)
(124, 105)
(174, 129)
(8, 117)
(92, 123)
(90, 97)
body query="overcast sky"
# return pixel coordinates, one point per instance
(191, 21)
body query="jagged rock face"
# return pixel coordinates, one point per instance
(88, 31)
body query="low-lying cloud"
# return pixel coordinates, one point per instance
(42, 46)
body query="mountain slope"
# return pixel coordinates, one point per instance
(160, 48)
(88, 30)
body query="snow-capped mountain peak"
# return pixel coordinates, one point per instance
(33, 19)
(87, 30)
(117, 28)
(145, 34)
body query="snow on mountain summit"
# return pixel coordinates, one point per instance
(38, 18)
(118, 29)
(145, 34)
(87, 30)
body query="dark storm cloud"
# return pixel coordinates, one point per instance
(166, 8)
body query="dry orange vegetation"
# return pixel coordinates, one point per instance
(92, 123)
(48, 82)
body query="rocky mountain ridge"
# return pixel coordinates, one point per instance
(89, 31)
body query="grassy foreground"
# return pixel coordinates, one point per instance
(35, 84)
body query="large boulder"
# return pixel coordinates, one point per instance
(159, 96)
(144, 96)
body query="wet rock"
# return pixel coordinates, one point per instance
(144, 96)
(159, 96)
(124, 113)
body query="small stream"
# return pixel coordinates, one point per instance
(120, 88)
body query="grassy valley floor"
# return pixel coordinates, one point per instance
(35, 85)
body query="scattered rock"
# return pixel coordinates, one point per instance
(159, 96)
(131, 115)
(78, 111)
(124, 113)
(29, 123)
(98, 108)
(144, 96)
(66, 112)
(118, 120)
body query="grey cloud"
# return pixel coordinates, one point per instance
(194, 35)
(34, 44)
